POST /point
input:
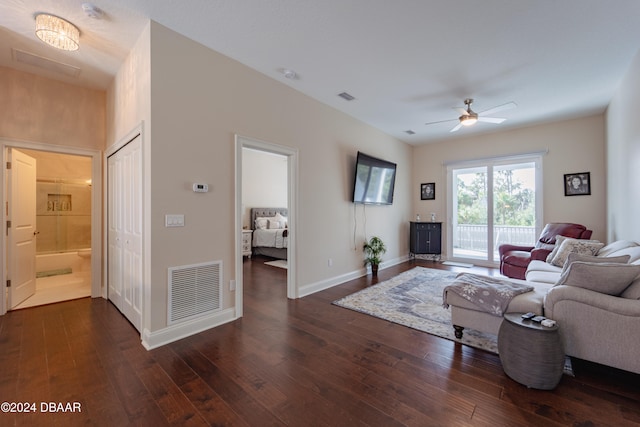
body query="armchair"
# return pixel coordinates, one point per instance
(515, 259)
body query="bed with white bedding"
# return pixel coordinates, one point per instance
(270, 232)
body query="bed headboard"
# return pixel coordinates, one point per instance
(265, 212)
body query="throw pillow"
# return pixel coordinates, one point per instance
(583, 247)
(262, 222)
(273, 224)
(574, 256)
(559, 240)
(282, 219)
(606, 278)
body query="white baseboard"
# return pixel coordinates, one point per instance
(312, 288)
(151, 340)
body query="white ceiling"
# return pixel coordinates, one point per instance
(407, 62)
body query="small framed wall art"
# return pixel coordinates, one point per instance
(577, 184)
(428, 191)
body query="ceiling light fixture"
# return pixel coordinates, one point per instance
(469, 119)
(57, 32)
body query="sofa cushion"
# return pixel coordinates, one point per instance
(611, 248)
(565, 246)
(539, 276)
(606, 278)
(632, 291)
(633, 252)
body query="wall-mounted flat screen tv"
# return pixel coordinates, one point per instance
(374, 180)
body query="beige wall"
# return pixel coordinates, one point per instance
(573, 146)
(129, 96)
(129, 109)
(623, 158)
(42, 110)
(198, 101)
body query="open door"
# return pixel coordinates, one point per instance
(22, 229)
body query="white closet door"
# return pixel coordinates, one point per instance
(125, 230)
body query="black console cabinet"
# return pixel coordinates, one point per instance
(425, 238)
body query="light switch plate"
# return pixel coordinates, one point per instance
(174, 220)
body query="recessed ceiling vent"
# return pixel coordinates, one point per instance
(46, 63)
(346, 96)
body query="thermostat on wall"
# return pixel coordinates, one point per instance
(200, 188)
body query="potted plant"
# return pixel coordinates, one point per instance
(373, 250)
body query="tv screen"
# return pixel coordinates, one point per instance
(374, 180)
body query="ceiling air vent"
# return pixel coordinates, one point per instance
(47, 64)
(409, 132)
(346, 96)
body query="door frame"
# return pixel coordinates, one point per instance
(96, 208)
(292, 199)
(491, 162)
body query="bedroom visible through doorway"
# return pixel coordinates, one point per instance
(265, 185)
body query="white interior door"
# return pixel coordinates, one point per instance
(125, 230)
(22, 233)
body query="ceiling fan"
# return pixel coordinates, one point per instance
(469, 117)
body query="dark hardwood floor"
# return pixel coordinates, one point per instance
(300, 363)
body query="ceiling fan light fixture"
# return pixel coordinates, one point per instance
(469, 119)
(57, 32)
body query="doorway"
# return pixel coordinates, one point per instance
(291, 157)
(65, 261)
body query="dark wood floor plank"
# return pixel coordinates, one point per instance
(286, 362)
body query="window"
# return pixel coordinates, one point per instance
(493, 202)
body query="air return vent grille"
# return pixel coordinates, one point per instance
(194, 290)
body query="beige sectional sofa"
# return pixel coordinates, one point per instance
(594, 299)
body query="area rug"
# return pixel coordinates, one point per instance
(280, 263)
(414, 299)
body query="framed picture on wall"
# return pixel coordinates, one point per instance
(428, 191)
(577, 184)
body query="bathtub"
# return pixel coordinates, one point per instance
(61, 262)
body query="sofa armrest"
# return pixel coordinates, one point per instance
(540, 254)
(502, 249)
(613, 304)
(597, 327)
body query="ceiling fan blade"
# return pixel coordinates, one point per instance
(491, 119)
(440, 121)
(458, 126)
(507, 106)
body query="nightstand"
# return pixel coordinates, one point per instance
(246, 242)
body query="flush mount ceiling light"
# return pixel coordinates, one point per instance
(57, 32)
